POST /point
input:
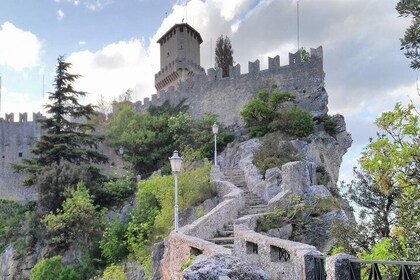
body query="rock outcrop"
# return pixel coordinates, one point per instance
(223, 265)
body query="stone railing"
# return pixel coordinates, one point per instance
(281, 259)
(178, 250)
(225, 212)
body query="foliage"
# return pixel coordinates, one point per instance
(294, 121)
(224, 54)
(17, 223)
(299, 213)
(386, 187)
(119, 189)
(53, 269)
(304, 54)
(411, 40)
(114, 272)
(53, 180)
(112, 244)
(188, 263)
(267, 113)
(78, 220)
(274, 154)
(149, 138)
(322, 176)
(63, 139)
(330, 125)
(152, 218)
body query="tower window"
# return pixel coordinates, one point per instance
(20, 154)
(181, 29)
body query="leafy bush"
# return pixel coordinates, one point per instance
(78, 220)
(272, 154)
(114, 272)
(330, 125)
(18, 224)
(53, 269)
(55, 179)
(152, 218)
(118, 190)
(294, 121)
(113, 245)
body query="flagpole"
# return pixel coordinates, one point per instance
(297, 19)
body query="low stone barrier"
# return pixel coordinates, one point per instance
(281, 259)
(178, 249)
(225, 212)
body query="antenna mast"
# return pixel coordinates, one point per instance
(297, 19)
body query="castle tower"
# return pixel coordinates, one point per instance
(179, 56)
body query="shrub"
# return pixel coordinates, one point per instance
(294, 121)
(78, 220)
(114, 272)
(330, 125)
(322, 176)
(52, 269)
(54, 180)
(118, 190)
(113, 245)
(18, 225)
(272, 154)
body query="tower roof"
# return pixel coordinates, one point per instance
(200, 40)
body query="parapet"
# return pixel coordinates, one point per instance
(23, 117)
(201, 80)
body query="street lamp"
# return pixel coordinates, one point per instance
(176, 162)
(121, 150)
(215, 128)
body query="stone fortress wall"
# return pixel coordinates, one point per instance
(225, 97)
(16, 140)
(203, 93)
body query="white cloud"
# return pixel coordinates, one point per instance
(19, 103)
(60, 15)
(82, 43)
(114, 69)
(19, 49)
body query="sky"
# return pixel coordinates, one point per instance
(112, 44)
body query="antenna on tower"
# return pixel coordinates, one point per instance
(43, 92)
(297, 19)
(211, 52)
(0, 95)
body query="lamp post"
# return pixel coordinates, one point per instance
(176, 162)
(121, 150)
(215, 128)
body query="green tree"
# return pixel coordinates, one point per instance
(224, 54)
(53, 269)
(411, 40)
(78, 220)
(390, 182)
(63, 139)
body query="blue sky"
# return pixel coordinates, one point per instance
(112, 44)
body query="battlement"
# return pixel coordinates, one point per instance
(201, 81)
(23, 118)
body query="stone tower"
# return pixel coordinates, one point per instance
(179, 56)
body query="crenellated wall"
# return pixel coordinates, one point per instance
(17, 137)
(225, 97)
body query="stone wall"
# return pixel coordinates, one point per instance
(226, 211)
(225, 97)
(281, 259)
(16, 140)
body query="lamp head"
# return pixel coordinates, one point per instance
(176, 162)
(215, 128)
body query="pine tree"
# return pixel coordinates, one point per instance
(224, 54)
(63, 139)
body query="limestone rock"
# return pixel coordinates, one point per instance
(223, 265)
(157, 255)
(133, 271)
(284, 232)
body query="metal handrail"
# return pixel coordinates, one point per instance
(374, 272)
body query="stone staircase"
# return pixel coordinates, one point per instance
(253, 205)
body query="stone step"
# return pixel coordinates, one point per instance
(224, 233)
(221, 240)
(252, 210)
